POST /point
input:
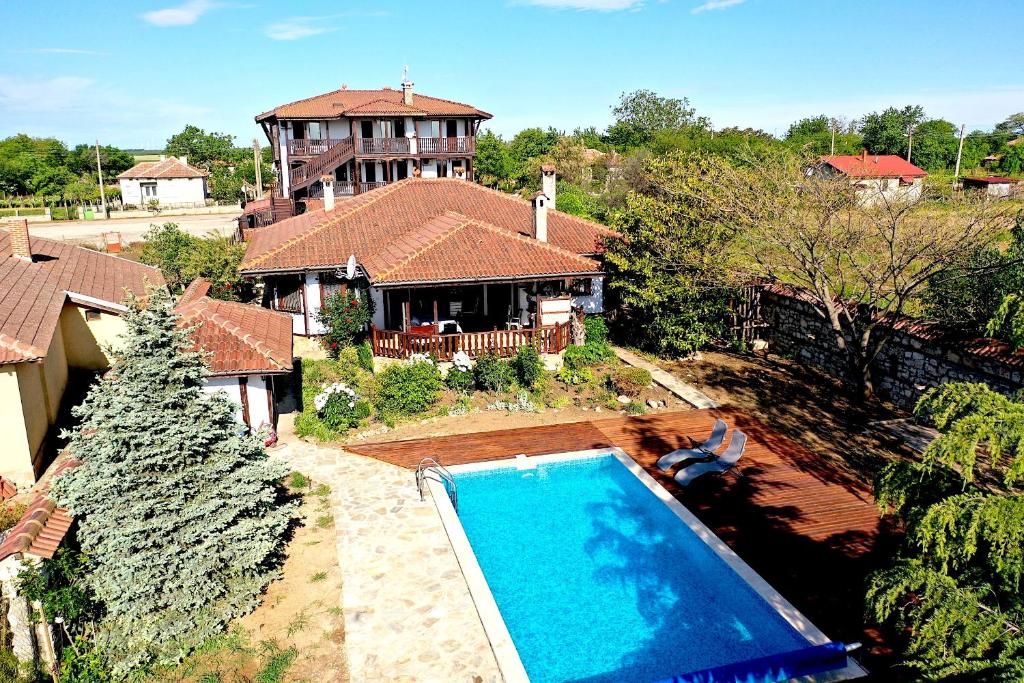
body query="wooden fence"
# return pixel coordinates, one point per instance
(396, 344)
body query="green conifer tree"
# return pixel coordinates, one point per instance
(180, 512)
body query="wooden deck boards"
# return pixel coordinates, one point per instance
(801, 522)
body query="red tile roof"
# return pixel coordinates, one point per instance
(372, 223)
(991, 180)
(243, 339)
(7, 488)
(170, 167)
(32, 293)
(874, 166)
(382, 102)
(42, 528)
(453, 247)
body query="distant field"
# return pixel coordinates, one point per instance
(147, 157)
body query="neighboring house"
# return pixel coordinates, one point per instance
(250, 348)
(367, 138)
(168, 182)
(876, 176)
(60, 308)
(995, 186)
(449, 265)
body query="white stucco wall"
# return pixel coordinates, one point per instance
(313, 302)
(168, 191)
(256, 390)
(595, 302)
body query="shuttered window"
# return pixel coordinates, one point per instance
(289, 295)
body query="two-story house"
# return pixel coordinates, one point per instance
(365, 139)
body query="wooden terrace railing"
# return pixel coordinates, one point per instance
(396, 344)
(459, 145)
(309, 148)
(382, 146)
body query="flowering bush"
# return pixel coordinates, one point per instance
(339, 407)
(462, 361)
(410, 387)
(345, 316)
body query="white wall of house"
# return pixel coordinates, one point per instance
(168, 191)
(256, 391)
(594, 303)
(313, 302)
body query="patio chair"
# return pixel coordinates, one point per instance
(704, 450)
(720, 465)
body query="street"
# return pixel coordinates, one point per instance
(131, 229)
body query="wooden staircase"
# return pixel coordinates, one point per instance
(281, 208)
(305, 175)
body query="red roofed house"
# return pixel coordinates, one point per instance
(250, 347)
(168, 182)
(877, 176)
(368, 138)
(449, 265)
(60, 307)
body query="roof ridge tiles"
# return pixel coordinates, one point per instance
(203, 306)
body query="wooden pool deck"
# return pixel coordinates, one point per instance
(809, 528)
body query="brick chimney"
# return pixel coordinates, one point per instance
(183, 159)
(18, 232)
(540, 216)
(547, 183)
(328, 183)
(864, 155)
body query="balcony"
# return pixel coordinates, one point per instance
(411, 147)
(311, 148)
(344, 188)
(458, 145)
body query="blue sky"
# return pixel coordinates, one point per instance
(133, 73)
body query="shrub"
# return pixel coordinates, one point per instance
(576, 357)
(298, 481)
(408, 388)
(493, 373)
(364, 355)
(340, 407)
(460, 380)
(528, 367)
(630, 381)
(11, 515)
(597, 329)
(635, 408)
(345, 316)
(574, 376)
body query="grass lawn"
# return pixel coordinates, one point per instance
(297, 634)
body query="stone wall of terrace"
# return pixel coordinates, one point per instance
(918, 357)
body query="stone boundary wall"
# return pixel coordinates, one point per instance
(906, 367)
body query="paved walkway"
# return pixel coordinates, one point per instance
(688, 393)
(408, 612)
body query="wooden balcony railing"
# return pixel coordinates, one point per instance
(366, 187)
(342, 188)
(381, 146)
(459, 145)
(396, 344)
(309, 148)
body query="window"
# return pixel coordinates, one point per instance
(92, 314)
(582, 286)
(289, 295)
(148, 191)
(313, 130)
(331, 284)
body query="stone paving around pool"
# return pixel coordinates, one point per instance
(408, 612)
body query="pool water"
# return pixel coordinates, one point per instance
(598, 580)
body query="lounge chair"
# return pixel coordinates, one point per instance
(721, 464)
(704, 450)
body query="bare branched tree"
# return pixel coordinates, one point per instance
(860, 256)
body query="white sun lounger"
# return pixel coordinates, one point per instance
(704, 450)
(723, 463)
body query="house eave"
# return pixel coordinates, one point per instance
(482, 280)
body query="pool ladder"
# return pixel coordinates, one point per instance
(430, 465)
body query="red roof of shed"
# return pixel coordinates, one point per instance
(874, 166)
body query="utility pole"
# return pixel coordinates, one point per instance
(910, 140)
(833, 150)
(256, 160)
(99, 174)
(959, 153)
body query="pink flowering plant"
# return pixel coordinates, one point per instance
(346, 317)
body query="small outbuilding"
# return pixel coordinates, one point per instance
(169, 182)
(993, 185)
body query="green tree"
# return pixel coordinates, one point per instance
(493, 163)
(81, 161)
(183, 257)
(1013, 125)
(642, 113)
(814, 136)
(935, 145)
(955, 589)
(530, 143)
(179, 511)
(666, 265)
(29, 165)
(202, 148)
(1013, 159)
(886, 132)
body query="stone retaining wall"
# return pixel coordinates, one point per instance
(906, 367)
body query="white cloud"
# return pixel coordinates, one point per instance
(77, 109)
(716, 4)
(298, 27)
(182, 15)
(588, 5)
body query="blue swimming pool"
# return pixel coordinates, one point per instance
(598, 580)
